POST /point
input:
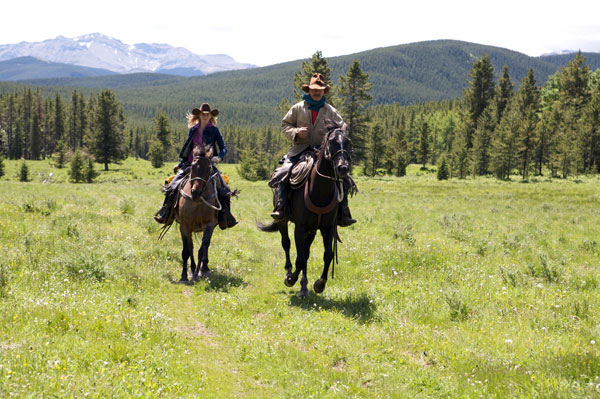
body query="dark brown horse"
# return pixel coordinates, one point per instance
(314, 206)
(197, 212)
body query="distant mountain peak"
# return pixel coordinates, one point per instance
(96, 50)
(561, 52)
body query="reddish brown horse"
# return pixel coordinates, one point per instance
(314, 207)
(197, 213)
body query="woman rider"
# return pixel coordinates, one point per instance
(204, 132)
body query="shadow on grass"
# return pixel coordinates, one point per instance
(360, 307)
(217, 281)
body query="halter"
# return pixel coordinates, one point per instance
(206, 181)
(329, 157)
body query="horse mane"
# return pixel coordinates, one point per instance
(202, 151)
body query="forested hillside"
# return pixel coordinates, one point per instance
(404, 74)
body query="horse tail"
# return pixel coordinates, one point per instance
(269, 228)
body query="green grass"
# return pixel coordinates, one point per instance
(455, 289)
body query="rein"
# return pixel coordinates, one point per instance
(189, 197)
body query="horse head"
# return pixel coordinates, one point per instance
(199, 172)
(337, 148)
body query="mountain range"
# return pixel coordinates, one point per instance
(403, 74)
(100, 52)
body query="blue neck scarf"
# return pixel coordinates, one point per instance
(312, 104)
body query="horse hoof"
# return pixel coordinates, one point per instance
(319, 285)
(303, 293)
(289, 280)
(182, 281)
(205, 273)
(196, 278)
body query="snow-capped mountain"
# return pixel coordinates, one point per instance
(99, 51)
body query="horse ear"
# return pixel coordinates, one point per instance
(209, 151)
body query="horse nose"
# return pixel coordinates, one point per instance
(343, 169)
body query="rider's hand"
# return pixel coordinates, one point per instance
(176, 168)
(302, 134)
(216, 159)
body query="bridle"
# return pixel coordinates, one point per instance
(211, 177)
(331, 158)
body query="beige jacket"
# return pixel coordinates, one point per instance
(300, 116)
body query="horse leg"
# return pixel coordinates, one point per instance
(328, 237)
(291, 278)
(286, 244)
(186, 253)
(197, 270)
(206, 237)
(308, 240)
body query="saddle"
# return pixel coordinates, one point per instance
(300, 171)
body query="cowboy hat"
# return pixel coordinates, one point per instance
(205, 109)
(317, 81)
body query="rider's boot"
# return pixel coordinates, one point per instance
(224, 216)
(281, 210)
(344, 217)
(163, 214)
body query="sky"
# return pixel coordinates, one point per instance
(267, 32)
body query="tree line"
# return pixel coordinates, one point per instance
(493, 129)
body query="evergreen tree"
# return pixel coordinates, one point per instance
(374, 150)
(396, 153)
(316, 64)
(424, 149)
(482, 146)
(156, 154)
(24, 172)
(59, 119)
(9, 125)
(443, 173)
(479, 94)
(528, 103)
(76, 170)
(89, 173)
(254, 165)
(589, 133)
(354, 92)
(36, 128)
(502, 94)
(107, 141)
(1, 165)
(26, 115)
(162, 130)
(60, 157)
(504, 143)
(574, 84)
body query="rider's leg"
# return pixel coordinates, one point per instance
(224, 216)
(344, 216)
(282, 209)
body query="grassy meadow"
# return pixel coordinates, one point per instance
(453, 289)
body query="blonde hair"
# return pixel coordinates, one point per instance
(194, 119)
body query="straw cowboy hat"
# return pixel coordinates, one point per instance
(317, 81)
(205, 109)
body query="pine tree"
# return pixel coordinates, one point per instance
(76, 171)
(355, 97)
(374, 150)
(504, 151)
(528, 102)
(316, 64)
(59, 119)
(107, 141)
(24, 172)
(589, 133)
(443, 173)
(424, 149)
(156, 154)
(36, 128)
(1, 165)
(479, 94)
(61, 155)
(482, 144)
(89, 173)
(502, 94)
(162, 130)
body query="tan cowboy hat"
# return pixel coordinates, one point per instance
(205, 109)
(317, 81)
